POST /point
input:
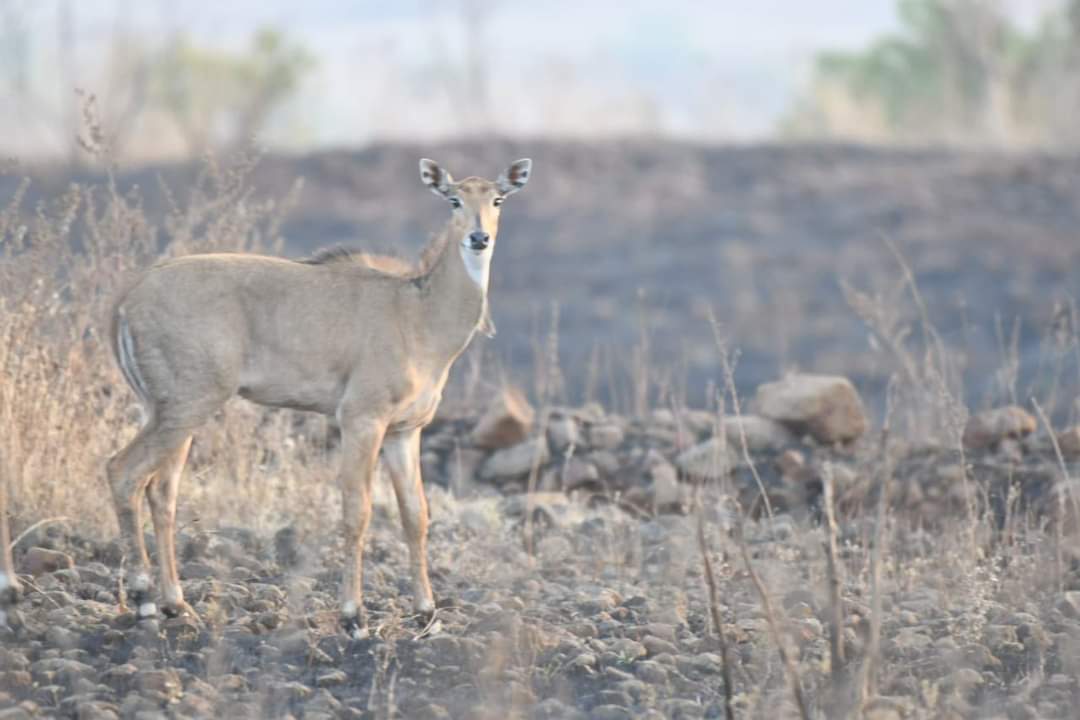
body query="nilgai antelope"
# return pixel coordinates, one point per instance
(366, 339)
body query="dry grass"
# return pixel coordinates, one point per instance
(62, 402)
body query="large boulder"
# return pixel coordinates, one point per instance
(827, 407)
(506, 422)
(987, 429)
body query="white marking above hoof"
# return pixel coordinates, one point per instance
(140, 583)
(360, 633)
(147, 610)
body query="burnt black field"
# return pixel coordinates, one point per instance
(632, 245)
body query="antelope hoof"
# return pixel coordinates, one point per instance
(354, 627)
(425, 612)
(141, 598)
(353, 621)
(179, 608)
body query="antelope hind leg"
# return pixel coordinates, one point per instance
(162, 493)
(130, 471)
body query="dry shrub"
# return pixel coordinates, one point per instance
(63, 406)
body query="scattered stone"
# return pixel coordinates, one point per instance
(506, 422)
(610, 712)
(577, 473)
(514, 462)
(554, 709)
(165, 682)
(762, 434)
(584, 661)
(655, 646)
(332, 679)
(606, 436)
(711, 460)
(428, 711)
(828, 407)
(627, 650)
(563, 432)
(460, 467)
(605, 461)
(987, 429)
(39, 561)
(666, 490)
(1070, 604)
(554, 549)
(651, 672)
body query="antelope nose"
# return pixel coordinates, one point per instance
(479, 240)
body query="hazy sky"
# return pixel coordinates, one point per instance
(718, 69)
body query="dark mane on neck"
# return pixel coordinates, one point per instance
(326, 256)
(384, 264)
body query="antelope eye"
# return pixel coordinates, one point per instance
(497, 202)
(455, 202)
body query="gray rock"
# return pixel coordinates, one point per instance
(627, 650)
(563, 432)
(606, 436)
(610, 712)
(516, 461)
(655, 646)
(331, 679)
(710, 460)
(576, 473)
(761, 433)
(651, 672)
(1069, 605)
(553, 709)
(39, 560)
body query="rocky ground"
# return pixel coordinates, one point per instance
(586, 597)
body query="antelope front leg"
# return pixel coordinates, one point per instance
(360, 451)
(401, 455)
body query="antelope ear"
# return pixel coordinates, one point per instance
(515, 177)
(437, 180)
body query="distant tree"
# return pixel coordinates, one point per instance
(220, 99)
(956, 69)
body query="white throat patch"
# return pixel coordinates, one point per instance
(477, 264)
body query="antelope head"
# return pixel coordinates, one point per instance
(475, 204)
